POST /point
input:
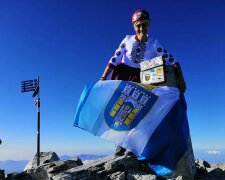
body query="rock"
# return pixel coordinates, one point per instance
(114, 168)
(46, 171)
(215, 172)
(119, 167)
(139, 175)
(201, 166)
(19, 176)
(117, 175)
(45, 157)
(185, 167)
(2, 174)
(210, 172)
(110, 167)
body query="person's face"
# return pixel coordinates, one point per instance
(141, 28)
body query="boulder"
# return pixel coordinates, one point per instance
(2, 174)
(140, 175)
(45, 157)
(111, 167)
(185, 167)
(19, 176)
(214, 174)
(47, 170)
(202, 166)
(209, 172)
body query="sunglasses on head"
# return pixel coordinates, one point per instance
(143, 25)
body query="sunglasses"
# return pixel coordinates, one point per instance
(143, 25)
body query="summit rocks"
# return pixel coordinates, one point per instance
(110, 167)
(45, 157)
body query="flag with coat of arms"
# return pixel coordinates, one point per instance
(150, 122)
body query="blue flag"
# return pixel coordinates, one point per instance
(151, 123)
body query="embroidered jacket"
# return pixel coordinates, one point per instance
(131, 52)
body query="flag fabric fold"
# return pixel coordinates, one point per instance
(150, 123)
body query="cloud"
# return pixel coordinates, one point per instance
(213, 152)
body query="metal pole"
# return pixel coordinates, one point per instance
(38, 127)
(33, 85)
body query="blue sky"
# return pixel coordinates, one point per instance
(68, 44)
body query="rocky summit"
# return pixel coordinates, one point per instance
(110, 167)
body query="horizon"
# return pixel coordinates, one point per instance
(209, 155)
(68, 44)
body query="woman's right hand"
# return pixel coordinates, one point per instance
(103, 78)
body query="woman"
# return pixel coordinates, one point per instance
(134, 49)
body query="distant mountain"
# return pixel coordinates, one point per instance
(211, 156)
(83, 157)
(13, 166)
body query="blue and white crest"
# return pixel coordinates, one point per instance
(128, 106)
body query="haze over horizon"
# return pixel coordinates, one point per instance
(68, 44)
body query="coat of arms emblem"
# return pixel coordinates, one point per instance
(128, 106)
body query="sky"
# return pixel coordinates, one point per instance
(68, 43)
